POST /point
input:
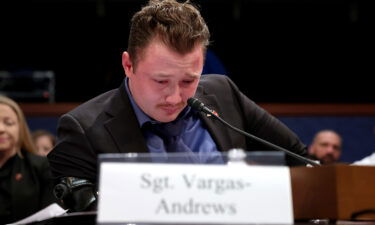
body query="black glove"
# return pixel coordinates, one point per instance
(76, 194)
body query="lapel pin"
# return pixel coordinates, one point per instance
(213, 112)
(18, 176)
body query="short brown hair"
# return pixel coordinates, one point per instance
(38, 133)
(179, 26)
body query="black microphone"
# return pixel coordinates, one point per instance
(199, 106)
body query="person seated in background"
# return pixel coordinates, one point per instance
(326, 147)
(44, 141)
(149, 112)
(25, 179)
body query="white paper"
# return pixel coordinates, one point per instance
(50, 211)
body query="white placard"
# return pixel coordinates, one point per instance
(179, 193)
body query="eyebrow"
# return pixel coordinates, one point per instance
(164, 75)
(193, 75)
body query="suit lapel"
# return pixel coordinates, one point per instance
(123, 124)
(24, 189)
(217, 130)
(124, 128)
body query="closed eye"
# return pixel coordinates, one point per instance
(161, 81)
(9, 122)
(188, 81)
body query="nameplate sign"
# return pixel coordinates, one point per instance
(194, 194)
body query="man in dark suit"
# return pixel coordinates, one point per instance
(163, 66)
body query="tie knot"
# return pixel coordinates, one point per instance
(167, 130)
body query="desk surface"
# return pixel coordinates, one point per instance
(89, 218)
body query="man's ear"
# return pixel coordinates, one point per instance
(127, 64)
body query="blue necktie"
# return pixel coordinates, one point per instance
(170, 133)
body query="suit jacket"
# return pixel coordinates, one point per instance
(108, 124)
(30, 187)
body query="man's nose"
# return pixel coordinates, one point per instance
(174, 95)
(330, 149)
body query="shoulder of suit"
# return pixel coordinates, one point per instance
(214, 81)
(94, 106)
(214, 77)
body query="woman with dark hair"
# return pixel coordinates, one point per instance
(25, 184)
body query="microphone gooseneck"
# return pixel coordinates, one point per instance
(199, 106)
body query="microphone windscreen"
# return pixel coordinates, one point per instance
(195, 104)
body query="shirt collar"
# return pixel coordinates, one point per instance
(143, 117)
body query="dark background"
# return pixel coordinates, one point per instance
(276, 51)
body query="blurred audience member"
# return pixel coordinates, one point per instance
(25, 184)
(44, 141)
(326, 147)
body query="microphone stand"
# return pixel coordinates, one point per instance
(198, 105)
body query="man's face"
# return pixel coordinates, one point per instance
(163, 79)
(326, 147)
